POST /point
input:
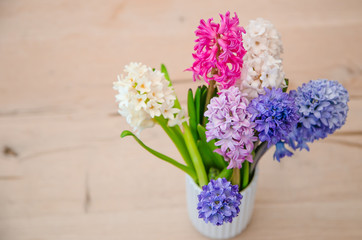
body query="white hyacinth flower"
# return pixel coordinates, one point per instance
(262, 63)
(143, 94)
(262, 37)
(178, 120)
(261, 72)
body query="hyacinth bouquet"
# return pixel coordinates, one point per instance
(243, 109)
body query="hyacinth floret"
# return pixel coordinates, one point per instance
(219, 51)
(322, 108)
(230, 124)
(219, 202)
(281, 151)
(275, 115)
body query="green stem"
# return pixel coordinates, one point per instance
(245, 169)
(179, 134)
(225, 173)
(235, 177)
(177, 139)
(197, 104)
(195, 155)
(259, 152)
(210, 93)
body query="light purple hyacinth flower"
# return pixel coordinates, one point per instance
(230, 124)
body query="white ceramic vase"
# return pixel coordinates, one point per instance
(227, 230)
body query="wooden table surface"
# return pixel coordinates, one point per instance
(66, 174)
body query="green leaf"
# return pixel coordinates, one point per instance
(202, 132)
(177, 138)
(165, 72)
(205, 121)
(184, 168)
(206, 154)
(192, 114)
(197, 104)
(217, 158)
(167, 76)
(287, 83)
(202, 102)
(215, 93)
(210, 93)
(245, 174)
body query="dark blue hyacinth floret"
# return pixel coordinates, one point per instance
(322, 108)
(219, 201)
(281, 151)
(275, 115)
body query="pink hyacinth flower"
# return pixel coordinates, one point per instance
(219, 51)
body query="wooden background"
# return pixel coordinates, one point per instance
(66, 174)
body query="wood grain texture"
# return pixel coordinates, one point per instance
(66, 174)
